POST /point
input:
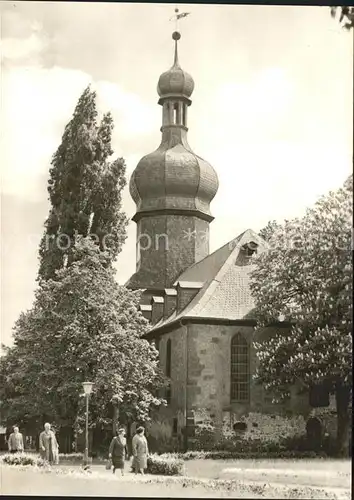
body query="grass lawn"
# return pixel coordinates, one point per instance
(329, 479)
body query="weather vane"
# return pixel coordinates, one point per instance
(178, 15)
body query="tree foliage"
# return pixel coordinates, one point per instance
(82, 326)
(85, 189)
(267, 232)
(346, 15)
(306, 277)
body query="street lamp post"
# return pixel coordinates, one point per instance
(87, 390)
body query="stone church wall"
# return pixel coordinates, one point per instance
(201, 359)
(266, 426)
(209, 369)
(178, 374)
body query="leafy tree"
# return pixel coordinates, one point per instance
(82, 326)
(84, 190)
(346, 15)
(306, 277)
(267, 232)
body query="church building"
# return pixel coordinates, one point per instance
(198, 303)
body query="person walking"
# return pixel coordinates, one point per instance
(15, 441)
(118, 451)
(48, 445)
(140, 451)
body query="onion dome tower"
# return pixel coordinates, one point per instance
(172, 189)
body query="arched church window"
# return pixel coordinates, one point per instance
(184, 115)
(240, 369)
(168, 358)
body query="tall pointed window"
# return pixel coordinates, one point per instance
(168, 358)
(240, 369)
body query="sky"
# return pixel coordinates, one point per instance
(272, 110)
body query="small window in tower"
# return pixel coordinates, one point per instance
(165, 111)
(175, 113)
(184, 115)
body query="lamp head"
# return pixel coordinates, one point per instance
(87, 388)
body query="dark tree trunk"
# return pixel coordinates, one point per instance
(343, 420)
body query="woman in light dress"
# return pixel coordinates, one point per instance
(140, 451)
(48, 445)
(15, 442)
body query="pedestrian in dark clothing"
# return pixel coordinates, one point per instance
(118, 451)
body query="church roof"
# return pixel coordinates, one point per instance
(226, 293)
(206, 268)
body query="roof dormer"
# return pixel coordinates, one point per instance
(186, 291)
(157, 304)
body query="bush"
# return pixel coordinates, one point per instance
(165, 466)
(77, 458)
(188, 455)
(234, 455)
(160, 436)
(22, 459)
(71, 457)
(168, 464)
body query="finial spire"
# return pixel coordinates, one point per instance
(176, 36)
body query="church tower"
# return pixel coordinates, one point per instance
(172, 189)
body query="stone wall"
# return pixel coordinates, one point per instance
(209, 368)
(177, 406)
(201, 360)
(267, 427)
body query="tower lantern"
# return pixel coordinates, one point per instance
(172, 189)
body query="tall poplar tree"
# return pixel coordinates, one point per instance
(85, 190)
